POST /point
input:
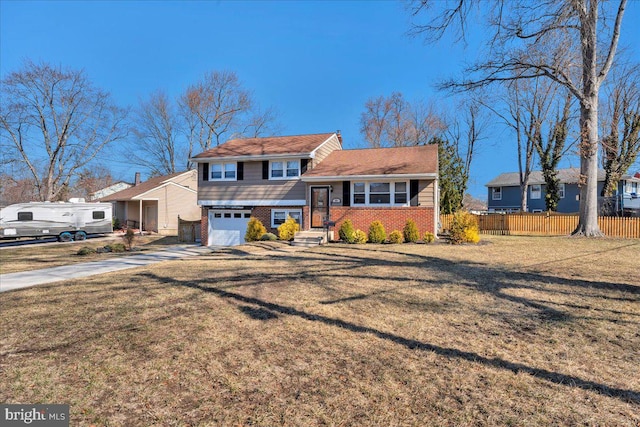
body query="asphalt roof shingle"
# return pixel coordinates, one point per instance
(143, 187)
(378, 161)
(273, 145)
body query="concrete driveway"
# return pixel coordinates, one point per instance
(26, 279)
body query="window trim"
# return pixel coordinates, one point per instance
(284, 169)
(287, 213)
(392, 193)
(223, 171)
(495, 193)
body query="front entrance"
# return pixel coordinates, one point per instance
(319, 206)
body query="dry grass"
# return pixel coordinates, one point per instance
(517, 331)
(33, 257)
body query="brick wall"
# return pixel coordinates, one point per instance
(204, 227)
(393, 218)
(263, 213)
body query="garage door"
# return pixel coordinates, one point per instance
(227, 227)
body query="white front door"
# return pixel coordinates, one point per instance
(227, 227)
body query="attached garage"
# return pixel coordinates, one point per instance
(227, 227)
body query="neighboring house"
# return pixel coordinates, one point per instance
(107, 191)
(154, 205)
(504, 191)
(311, 179)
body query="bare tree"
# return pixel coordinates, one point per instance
(218, 107)
(621, 141)
(157, 131)
(544, 39)
(395, 122)
(55, 121)
(91, 180)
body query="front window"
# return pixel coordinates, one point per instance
(359, 196)
(285, 169)
(279, 216)
(536, 191)
(400, 197)
(496, 193)
(380, 193)
(223, 171)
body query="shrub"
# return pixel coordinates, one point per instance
(377, 233)
(116, 247)
(464, 228)
(396, 237)
(429, 237)
(269, 236)
(115, 222)
(288, 229)
(360, 237)
(410, 231)
(129, 237)
(347, 233)
(85, 250)
(255, 230)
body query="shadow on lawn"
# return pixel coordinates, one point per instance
(264, 310)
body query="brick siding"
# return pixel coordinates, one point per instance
(393, 218)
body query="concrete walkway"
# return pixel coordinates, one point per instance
(26, 279)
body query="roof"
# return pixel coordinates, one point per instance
(295, 145)
(401, 161)
(137, 190)
(566, 176)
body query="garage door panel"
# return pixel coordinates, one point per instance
(227, 228)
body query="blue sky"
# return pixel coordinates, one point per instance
(316, 62)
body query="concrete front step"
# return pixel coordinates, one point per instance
(309, 238)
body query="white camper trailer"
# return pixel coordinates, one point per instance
(67, 221)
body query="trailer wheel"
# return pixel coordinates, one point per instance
(65, 237)
(80, 235)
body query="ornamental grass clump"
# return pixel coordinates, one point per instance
(347, 233)
(464, 228)
(288, 229)
(377, 234)
(410, 231)
(396, 237)
(255, 230)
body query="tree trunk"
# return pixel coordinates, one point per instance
(588, 222)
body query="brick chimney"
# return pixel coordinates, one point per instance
(137, 180)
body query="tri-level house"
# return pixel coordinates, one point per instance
(313, 180)
(504, 191)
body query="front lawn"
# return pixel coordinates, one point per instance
(514, 331)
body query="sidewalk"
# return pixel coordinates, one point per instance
(26, 279)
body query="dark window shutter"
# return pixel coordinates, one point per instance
(265, 169)
(346, 193)
(303, 165)
(205, 171)
(240, 173)
(413, 192)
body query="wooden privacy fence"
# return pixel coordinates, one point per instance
(188, 231)
(548, 225)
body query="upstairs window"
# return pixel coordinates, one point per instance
(223, 171)
(284, 169)
(496, 193)
(536, 191)
(561, 191)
